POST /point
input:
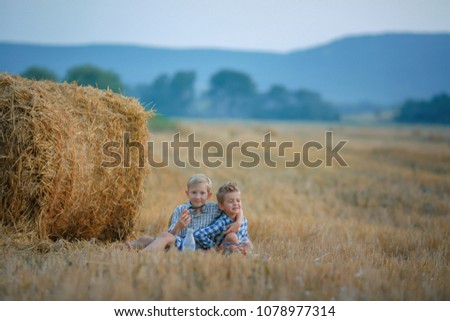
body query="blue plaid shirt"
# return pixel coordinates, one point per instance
(211, 235)
(207, 215)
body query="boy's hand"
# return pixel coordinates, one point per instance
(184, 219)
(232, 228)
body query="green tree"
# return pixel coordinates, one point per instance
(89, 75)
(309, 105)
(434, 111)
(277, 97)
(39, 73)
(170, 96)
(232, 93)
(156, 95)
(232, 83)
(280, 103)
(182, 91)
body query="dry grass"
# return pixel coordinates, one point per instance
(377, 230)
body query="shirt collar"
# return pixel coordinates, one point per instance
(203, 207)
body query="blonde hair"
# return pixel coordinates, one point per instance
(199, 178)
(226, 188)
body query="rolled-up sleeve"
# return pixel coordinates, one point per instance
(175, 216)
(243, 232)
(204, 237)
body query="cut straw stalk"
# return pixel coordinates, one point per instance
(51, 142)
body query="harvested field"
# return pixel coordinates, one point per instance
(375, 230)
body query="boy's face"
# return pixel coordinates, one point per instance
(198, 194)
(231, 203)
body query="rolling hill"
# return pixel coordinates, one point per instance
(382, 69)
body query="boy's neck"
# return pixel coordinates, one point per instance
(196, 209)
(232, 216)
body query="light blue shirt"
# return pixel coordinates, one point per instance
(209, 213)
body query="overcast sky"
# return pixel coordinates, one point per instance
(269, 25)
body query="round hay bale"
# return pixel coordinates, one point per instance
(53, 178)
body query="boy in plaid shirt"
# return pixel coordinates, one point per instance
(229, 201)
(197, 213)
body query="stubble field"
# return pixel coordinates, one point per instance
(377, 229)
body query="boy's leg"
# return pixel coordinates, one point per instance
(231, 238)
(231, 244)
(139, 243)
(161, 242)
(247, 245)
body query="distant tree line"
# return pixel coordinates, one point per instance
(434, 111)
(84, 75)
(230, 94)
(170, 96)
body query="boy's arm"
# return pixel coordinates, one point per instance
(204, 237)
(246, 245)
(180, 220)
(234, 227)
(243, 230)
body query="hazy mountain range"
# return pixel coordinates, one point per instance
(383, 69)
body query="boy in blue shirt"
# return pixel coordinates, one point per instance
(197, 213)
(229, 201)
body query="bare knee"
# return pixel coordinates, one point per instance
(139, 243)
(145, 241)
(232, 238)
(167, 236)
(164, 240)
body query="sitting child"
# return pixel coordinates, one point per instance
(229, 201)
(197, 213)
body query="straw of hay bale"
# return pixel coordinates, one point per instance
(51, 140)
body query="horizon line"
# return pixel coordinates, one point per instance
(219, 48)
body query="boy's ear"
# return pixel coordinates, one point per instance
(209, 194)
(220, 205)
(187, 193)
